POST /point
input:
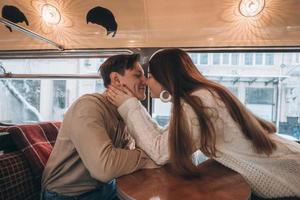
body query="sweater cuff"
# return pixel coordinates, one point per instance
(129, 104)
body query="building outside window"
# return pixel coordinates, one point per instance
(216, 58)
(269, 59)
(194, 57)
(297, 57)
(235, 58)
(225, 58)
(203, 58)
(59, 98)
(260, 101)
(248, 58)
(258, 59)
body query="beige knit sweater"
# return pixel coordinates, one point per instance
(89, 149)
(275, 176)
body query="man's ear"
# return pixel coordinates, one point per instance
(114, 78)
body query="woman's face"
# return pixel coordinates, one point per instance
(155, 87)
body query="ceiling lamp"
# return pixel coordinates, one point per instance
(50, 14)
(251, 8)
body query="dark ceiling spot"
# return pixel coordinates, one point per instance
(14, 15)
(103, 17)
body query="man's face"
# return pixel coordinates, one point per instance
(135, 80)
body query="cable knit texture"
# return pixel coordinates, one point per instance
(275, 176)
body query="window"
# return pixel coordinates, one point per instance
(297, 57)
(269, 59)
(216, 58)
(248, 59)
(203, 58)
(234, 90)
(59, 98)
(225, 58)
(258, 58)
(161, 111)
(194, 57)
(260, 101)
(235, 58)
(259, 95)
(44, 99)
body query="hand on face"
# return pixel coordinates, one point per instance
(118, 95)
(134, 80)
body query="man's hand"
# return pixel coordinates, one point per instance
(118, 96)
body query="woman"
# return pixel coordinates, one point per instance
(206, 116)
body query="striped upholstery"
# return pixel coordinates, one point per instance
(36, 142)
(16, 179)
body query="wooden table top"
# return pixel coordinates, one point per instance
(217, 182)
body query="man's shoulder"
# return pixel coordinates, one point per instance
(94, 96)
(98, 98)
(89, 100)
(95, 100)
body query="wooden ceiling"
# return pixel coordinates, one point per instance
(156, 23)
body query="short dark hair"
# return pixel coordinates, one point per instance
(117, 63)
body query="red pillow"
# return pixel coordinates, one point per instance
(36, 141)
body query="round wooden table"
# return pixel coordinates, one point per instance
(216, 182)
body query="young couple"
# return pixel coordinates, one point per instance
(205, 116)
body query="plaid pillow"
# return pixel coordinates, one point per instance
(16, 180)
(36, 141)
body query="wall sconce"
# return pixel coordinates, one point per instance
(251, 8)
(50, 14)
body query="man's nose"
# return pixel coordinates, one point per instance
(147, 81)
(144, 80)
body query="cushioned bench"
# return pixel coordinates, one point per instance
(16, 178)
(26, 151)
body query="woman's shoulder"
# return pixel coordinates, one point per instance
(200, 91)
(206, 95)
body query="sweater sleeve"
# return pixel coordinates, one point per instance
(148, 135)
(152, 138)
(95, 148)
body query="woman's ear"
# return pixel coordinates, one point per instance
(114, 79)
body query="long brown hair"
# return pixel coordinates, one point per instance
(175, 71)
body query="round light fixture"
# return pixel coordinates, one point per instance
(251, 8)
(50, 14)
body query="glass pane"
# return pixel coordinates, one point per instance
(161, 111)
(290, 101)
(225, 58)
(270, 58)
(235, 58)
(32, 100)
(248, 59)
(194, 57)
(216, 58)
(204, 58)
(259, 95)
(297, 57)
(260, 102)
(53, 66)
(258, 58)
(27, 101)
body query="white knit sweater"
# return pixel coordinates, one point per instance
(275, 176)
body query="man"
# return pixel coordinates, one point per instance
(92, 146)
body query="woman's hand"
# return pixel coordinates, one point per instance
(118, 96)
